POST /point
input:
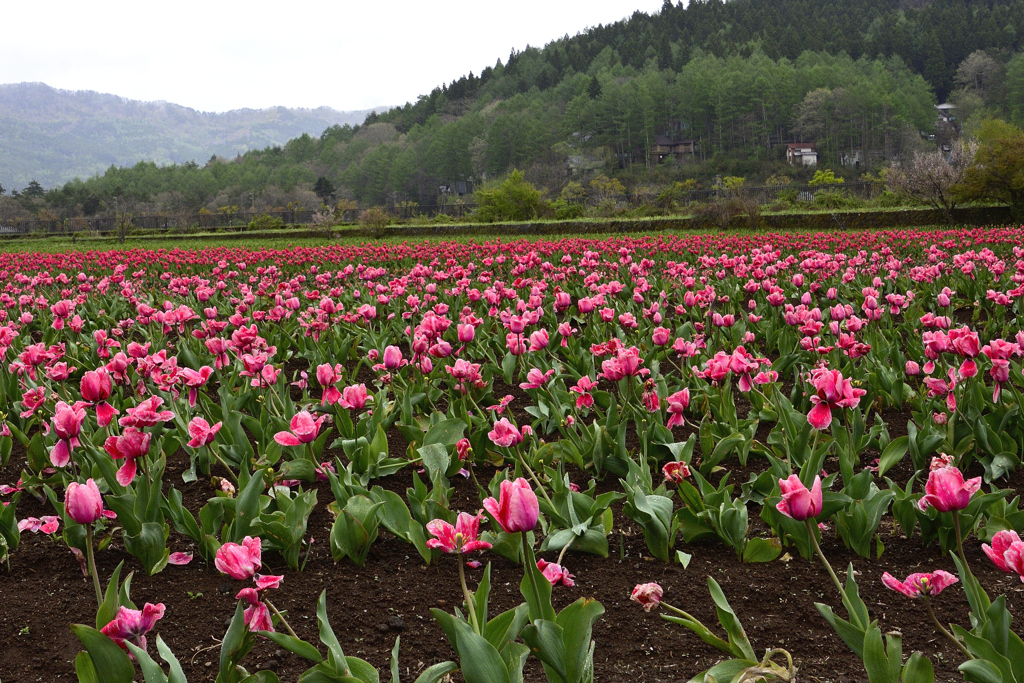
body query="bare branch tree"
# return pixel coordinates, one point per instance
(932, 177)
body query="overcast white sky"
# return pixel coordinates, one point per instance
(215, 56)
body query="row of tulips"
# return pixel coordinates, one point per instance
(271, 371)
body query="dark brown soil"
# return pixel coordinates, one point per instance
(44, 591)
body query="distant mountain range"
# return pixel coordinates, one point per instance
(53, 136)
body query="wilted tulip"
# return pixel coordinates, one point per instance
(916, 585)
(132, 625)
(648, 595)
(239, 561)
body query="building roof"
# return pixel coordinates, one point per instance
(945, 106)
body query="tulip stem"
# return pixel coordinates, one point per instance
(281, 617)
(720, 644)
(943, 631)
(959, 538)
(470, 604)
(565, 547)
(92, 564)
(527, 554)
(831, 572)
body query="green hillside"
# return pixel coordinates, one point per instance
(740, 79)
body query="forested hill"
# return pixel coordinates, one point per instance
(731, 82)
(932, 37)
(53, 135)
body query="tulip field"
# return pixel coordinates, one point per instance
(709, 457)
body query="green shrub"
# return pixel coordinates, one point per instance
(266, 222)
(512, 200)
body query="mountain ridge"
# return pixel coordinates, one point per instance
(53, 135)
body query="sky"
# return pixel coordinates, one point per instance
(214, 55)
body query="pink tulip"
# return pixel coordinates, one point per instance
(461, 538)
(517, 508)
(132, 444)
(256, 615)
(833, 392)
(505, 434)
(675, 471)
(661, 336)
(96, 388)
(535, 379)
(201, 432)
(797, 502)
(1002, 542)
(946, 490)
(194, 379)
(67, 425)
(539, 340)
(677, 405)
(583, 387)
(146, 414)
(304, 429)
(132, 625)
(354, 397)
(48, 524)
(239, 561)
(83, 502)
(648, 595)
(392, 357)
(466, 333)
(916, 585)
(555, 573)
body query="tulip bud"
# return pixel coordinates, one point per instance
(83, 502)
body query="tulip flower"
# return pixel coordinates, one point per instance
(946, 490)
(461, 538)
(555, 573)
(505, 434)
(83, 502)
(583, 387)
(96, 388)
(132, 625)
(648, 595)
(304, 429)
(798, 502)
(256, 615)
(677, 405)
(67, 425)
(131, 445)
(392, 358)
(535, 379)
(833, 392)
(239, 561)
(194, 379)
(327, 376)
(517, 508)
(146, 414)
(1006, 552)
(675, 471)
(201, 432)
(916, 585)
(354, 397)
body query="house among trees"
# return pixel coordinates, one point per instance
(946, 112)
(801, 154)
(681, 151)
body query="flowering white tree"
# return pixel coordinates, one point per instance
(932, 177)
